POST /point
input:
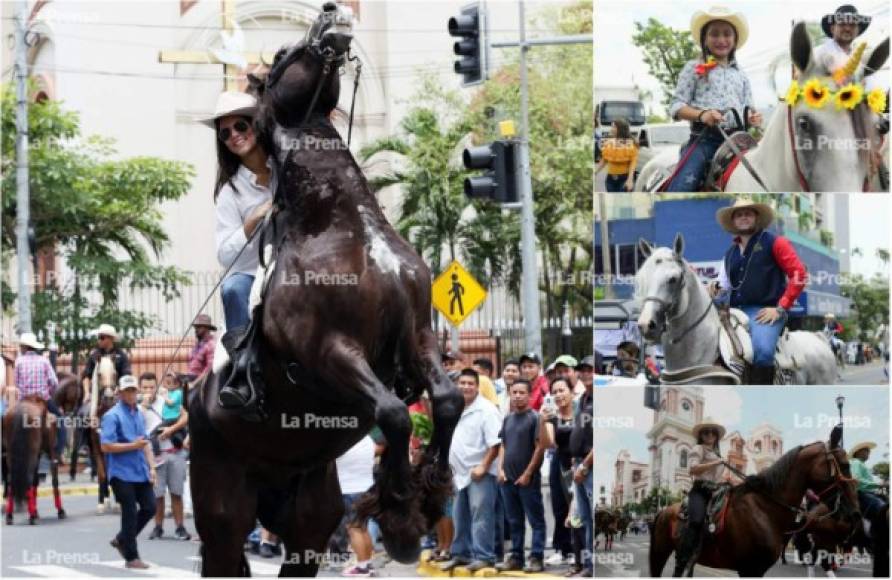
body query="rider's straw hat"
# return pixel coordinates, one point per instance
(30, 339)
(829, 315)
(860, 446)
(700, 19)
(231, 103)
(764, 212)
(106, 330)
(708, 423)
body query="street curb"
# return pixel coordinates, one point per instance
(427, 569)
(87, 489)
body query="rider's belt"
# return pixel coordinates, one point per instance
(709, 486)
(697, 128)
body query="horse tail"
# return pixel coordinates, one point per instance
(22, 463)
(660, 543)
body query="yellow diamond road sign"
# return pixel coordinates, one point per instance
(456, 293)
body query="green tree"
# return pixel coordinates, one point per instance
(98, 212)
(665, 52)
(881, 470)
(870, 304)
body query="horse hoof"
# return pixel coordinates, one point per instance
(32, 520)
(62, 514)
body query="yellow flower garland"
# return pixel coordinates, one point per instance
(816, 94)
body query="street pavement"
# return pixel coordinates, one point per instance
(78, 547)
(866, 374)
(629, 559)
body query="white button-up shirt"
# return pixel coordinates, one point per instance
(477, 431)
(233, 208)
(830, 56)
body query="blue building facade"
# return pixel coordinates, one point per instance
(705, 245)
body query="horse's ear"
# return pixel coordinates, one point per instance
(836, 436)
(645, 248)
(255, 85)
(800, 48)
(877, 58)
(678, 245)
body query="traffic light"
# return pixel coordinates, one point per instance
(469, 27)
(499, 183)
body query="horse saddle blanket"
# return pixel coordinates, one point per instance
(732, 354)
(725, 160)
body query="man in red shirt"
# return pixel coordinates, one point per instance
(531, 370)
(202, 356)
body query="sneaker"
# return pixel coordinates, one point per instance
(136, 564)
(157, 532)
(479, 565)
(511, 564)
(556, 559)
(182, 534)
(357, 571)
(534, 565)
(454, 563)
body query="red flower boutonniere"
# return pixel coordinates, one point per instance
(703, 68)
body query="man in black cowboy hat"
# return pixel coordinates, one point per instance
(841, 28)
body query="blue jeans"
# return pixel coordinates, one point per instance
(870, 504)
(520, 502)
(616, 183)
(474, 517)
(583, 493)
(764, 336)
(691, 175)
(236, 294)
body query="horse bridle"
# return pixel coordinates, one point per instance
(669, 311)
(803, 182)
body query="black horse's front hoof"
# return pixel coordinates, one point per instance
(32, 520)
(62, 514)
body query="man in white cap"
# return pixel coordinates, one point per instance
(762, 276)
(130, 469)
(106, 335)
(34, 375)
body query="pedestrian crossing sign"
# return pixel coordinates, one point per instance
(456, 294)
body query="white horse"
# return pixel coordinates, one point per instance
(677, 311)
(803, 148)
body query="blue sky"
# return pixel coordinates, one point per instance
(803, 414)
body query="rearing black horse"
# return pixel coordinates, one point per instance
(346, 342)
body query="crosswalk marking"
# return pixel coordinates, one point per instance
(154, 570)
(257, 566)
(50, 571)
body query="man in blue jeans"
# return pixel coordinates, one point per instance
(581, 452)
(475, 446)
(762, 276)
(520, 482)
(130, 469)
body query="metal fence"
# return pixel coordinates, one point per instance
(494, 330)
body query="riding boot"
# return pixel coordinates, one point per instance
(243, 389)
(688, 544)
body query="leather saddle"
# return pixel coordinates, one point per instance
(725, 160)
(715, 510)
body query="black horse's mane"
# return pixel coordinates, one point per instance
(772, 479)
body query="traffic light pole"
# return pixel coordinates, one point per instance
(532, 326)
(22, 193)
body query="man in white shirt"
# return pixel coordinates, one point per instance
(841, 28)
(356, 476)
(475, 446)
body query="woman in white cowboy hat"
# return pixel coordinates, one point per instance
(761, 275)
(872, 505)
(707, 470)
(243, 194)
(708, 86)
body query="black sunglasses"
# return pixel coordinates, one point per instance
(239, 126)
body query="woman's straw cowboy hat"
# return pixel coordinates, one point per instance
(700, 19)
(231, 103)
(764, 213)
(708, 423)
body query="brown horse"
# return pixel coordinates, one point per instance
(762, 511)
(345, 343)
(606, 522)
(29, 430)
